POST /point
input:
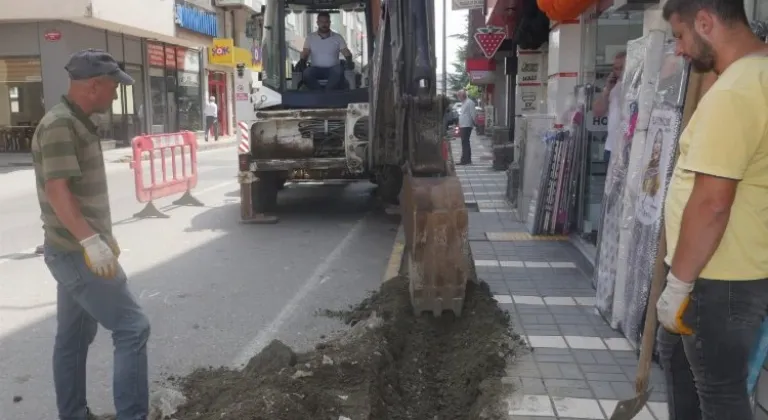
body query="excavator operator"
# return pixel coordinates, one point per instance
(322, 48)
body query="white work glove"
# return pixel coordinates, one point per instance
(673, 303)
(99, 256)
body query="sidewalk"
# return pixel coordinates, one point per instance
(578, 367)
(18, 161)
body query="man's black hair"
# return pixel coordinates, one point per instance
(729, 11)
(324, 14)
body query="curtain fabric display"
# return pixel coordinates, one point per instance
(607, 262)
(650, 168)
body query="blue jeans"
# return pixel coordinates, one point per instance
(706, 373)
(84, 301)
(334, 76)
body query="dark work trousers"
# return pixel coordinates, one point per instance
(466, 149)
(706, 373)
(211, 122)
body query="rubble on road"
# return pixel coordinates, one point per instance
(390, 365)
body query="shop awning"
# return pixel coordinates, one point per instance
(482, 71)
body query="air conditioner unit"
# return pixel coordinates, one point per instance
(627, 5)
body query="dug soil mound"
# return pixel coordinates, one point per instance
(390, 365)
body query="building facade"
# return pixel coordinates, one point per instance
(164, 45)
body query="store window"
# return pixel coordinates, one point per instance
(21, 102)
(175, 89)
(605, 35)
(128, 108)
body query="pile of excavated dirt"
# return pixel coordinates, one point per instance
(390, 365)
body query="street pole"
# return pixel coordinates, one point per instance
(445, 48)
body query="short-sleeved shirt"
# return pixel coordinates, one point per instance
(324, 52)
(66, 145)
(467, 113)
(727, 137)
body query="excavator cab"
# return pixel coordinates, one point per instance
(285, 73)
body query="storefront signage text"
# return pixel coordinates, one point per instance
(52, 35)
(222, 51)
(596, 124)
(197, 20)
(467, 4)
(172, 57)
(529, 69)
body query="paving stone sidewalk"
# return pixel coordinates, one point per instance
(578, 367)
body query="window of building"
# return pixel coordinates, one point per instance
(175, 89)
(21, 102)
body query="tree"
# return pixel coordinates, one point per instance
(459, 79)
(473, 91)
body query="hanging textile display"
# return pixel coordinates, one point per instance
(608, 241)
(649, 172)
(557, 186)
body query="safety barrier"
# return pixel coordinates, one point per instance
(162, 152)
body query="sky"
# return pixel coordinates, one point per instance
(455, 22)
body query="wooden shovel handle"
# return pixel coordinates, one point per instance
(649, 330)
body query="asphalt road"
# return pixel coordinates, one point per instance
(216, 291)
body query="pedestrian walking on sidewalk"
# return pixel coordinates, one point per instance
(212, 118)
(716, 216)
(80, 249)
(466, 122)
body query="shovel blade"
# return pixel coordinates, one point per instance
(628, 409)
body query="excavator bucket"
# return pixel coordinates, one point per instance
(435, 222)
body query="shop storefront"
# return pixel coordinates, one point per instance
(32, 79)
(223, 57)
(176, 95)
(604, 35)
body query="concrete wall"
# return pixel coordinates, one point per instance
(28, 39)
(155, 16)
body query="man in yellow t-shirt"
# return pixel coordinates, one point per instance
(716, 216)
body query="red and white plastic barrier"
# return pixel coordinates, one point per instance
(181, 177)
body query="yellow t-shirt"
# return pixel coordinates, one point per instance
(727, 136)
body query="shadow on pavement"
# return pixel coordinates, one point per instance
(208, 303)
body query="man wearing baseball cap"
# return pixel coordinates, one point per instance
(79, 247)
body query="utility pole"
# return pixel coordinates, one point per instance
(445, 48)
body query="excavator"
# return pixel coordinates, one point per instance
(383, 124)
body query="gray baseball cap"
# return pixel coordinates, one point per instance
(90, 63)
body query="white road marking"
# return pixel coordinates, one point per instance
(270, 331)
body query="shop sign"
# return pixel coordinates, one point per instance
(188, 79)
(467, 4)
(189, 60)
(155, 55)
(222, 51)
(197, 20)
(529, 100)
(52, 35)
(256, 60)
(595, 123)
(170, 57)
(489, 39)
(481, 77)
(529, 69)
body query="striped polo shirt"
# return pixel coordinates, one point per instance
(66, 145)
